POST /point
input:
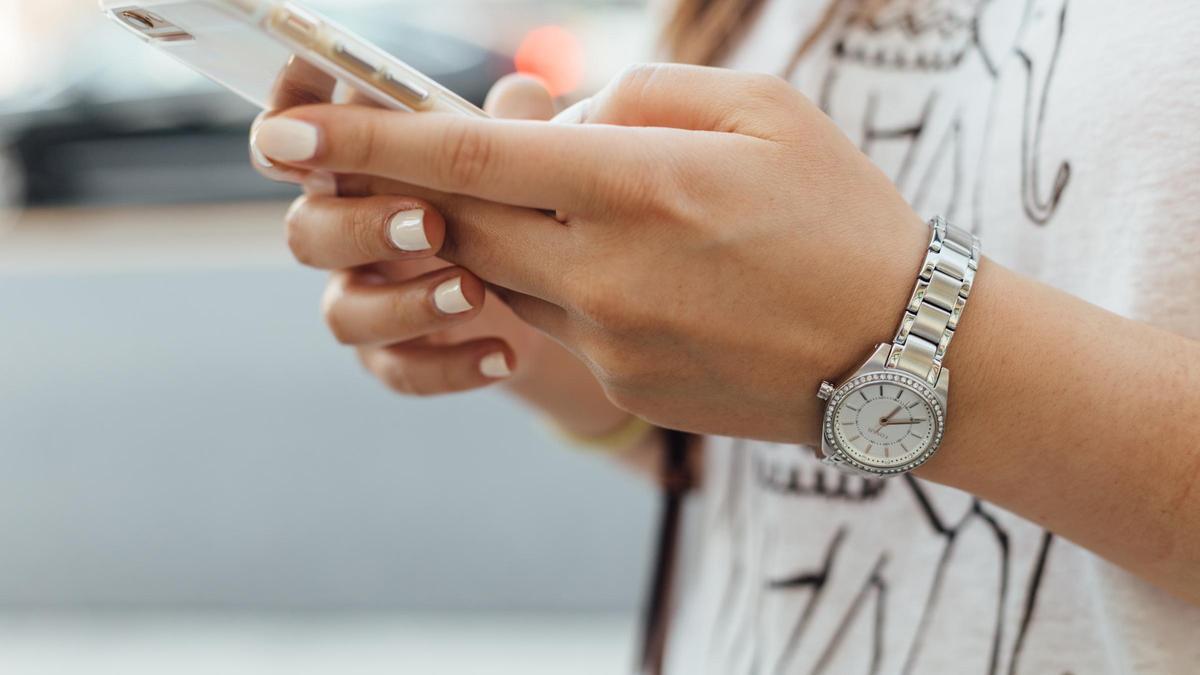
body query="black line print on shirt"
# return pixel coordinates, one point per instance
(1017, 583)
(814, 582)
(1031, 596)
(875, 588)
(949, 56)
(950, 535)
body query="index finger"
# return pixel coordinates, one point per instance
(298, 83)
(534, 164)
(301, 83)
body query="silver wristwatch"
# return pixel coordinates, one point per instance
(888, 417)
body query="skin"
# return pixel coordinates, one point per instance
(718, 248)
(414, 349)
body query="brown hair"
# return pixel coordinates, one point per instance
(703, 31)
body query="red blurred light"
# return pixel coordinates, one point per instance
(554, 55)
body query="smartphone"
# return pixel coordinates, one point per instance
(252, 47)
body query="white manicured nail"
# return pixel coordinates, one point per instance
(449, 297)
(495, 366)
(407, 231)
(286, 139)
(259, 158)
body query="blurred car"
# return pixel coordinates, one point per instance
(131, 126)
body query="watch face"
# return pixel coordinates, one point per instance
(884, 422)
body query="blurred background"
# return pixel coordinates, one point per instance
(193, 477)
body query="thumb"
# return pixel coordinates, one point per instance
(519, 97)
(689, 97)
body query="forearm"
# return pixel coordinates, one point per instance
(1080, 420)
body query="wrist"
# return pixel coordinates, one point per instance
(979, 385)
(866, 314)
(889, 416)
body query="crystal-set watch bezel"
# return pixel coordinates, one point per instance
(917, 385)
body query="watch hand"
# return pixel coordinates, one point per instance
(890, 423)
(886, 420)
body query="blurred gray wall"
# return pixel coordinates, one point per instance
(195, 438)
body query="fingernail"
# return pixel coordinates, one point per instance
(407, 231)
(320, 184)
(259, 158)
(495, 366)
(286, 139)
(449, 297)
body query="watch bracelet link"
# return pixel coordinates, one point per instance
(937, 301)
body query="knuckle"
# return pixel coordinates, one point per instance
(302, 251)
(299, 240)
(624, 94)
(448, 376)
(405, 310)
(767, 88)
(367, 145)
(633, 82)
(420, 381)
(336, 322)
(468, 155)
(363, 230)
(766, 83)
(415, 386)
(398, 378)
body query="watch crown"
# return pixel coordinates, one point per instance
(825, 391)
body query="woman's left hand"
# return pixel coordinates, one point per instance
(708, 242)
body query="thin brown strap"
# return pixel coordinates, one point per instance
(656, 614)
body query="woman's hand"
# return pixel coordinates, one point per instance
(714, 256)
(421, 326)
(727, 248)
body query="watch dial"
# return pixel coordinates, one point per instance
(884, 422)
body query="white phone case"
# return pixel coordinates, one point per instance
(246, 45)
